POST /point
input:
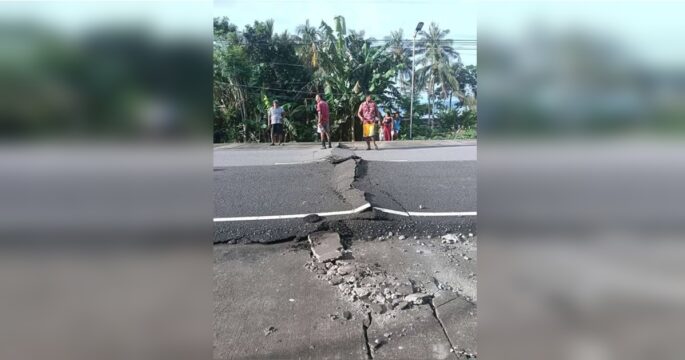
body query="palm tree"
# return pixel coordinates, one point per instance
(436, 54)
(400, 55)
(308, 36)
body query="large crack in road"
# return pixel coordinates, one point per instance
(442, 326)
(346, 178)
(366, 323)
(410, 321)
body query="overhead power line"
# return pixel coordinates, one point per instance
(258, 89)
(267, 88)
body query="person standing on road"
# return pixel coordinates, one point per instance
(396, 125)
(387, 126)
(323, 124)
(368, 114)
(276, 122)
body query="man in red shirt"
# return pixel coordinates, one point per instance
(368, 113)
(323, 121)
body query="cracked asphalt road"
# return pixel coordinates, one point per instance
(437, 186)
(269, 305)
(243, 189)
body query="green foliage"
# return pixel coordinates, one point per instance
(254, 66)
(350, 68)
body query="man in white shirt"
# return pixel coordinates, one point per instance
(276, 114)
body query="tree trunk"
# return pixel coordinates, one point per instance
(351, 130)
(244, 111)
(450, 101)
(430, 112)
(306, 112)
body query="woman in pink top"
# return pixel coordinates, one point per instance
(387, 127)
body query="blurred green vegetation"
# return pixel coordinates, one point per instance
(108, 82)
(577, 83)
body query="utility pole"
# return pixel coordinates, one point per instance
(413, 64)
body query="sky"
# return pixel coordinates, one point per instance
(182, 18)
(376, 17)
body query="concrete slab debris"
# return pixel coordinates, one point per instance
(326, 246)
(458, 318)
(417, 299)
(422, 338)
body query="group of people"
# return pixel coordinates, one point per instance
(391, 126)
(368, 114)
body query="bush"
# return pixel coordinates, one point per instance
(468, 119)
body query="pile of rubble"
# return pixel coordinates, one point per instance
(368, 284)
(359, 282)
(455, 238)
(377, 294)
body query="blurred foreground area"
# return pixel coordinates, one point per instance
(582, 162)
(105, 190)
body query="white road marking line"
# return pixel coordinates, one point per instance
(456, 213)
(293, 216)
(359, 209)
(348, 212)
(389, 211)
(415, 213)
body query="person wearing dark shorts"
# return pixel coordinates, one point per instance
(276, 123)
(323, 124)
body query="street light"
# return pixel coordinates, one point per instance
(411, 105)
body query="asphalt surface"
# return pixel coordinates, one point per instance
(420, 186)
(246, 185)
(275, 190)
(287, 310)
(293, 153)
(262, 155)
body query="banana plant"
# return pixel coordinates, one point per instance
(351, 68)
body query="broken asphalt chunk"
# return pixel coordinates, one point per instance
(404, 290)
(335, 280)
(345, 269)
(362, 292)
(451, 238)
(326, 246)
(402, 305)
(418, 298)
(312, 218)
